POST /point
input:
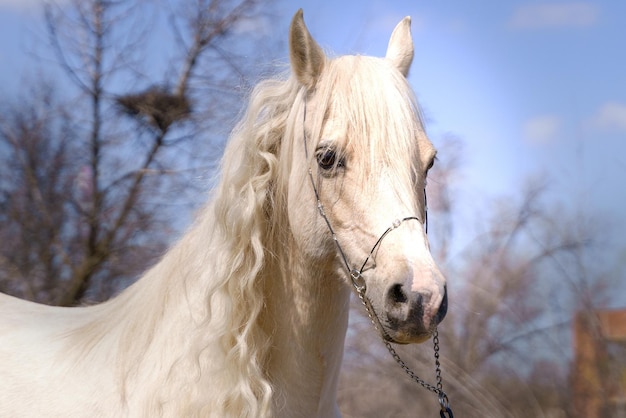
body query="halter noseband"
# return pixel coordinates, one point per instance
(359, 284)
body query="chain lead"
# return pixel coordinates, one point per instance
(438, 388)
(445, 411)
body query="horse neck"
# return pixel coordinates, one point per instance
(306, 315)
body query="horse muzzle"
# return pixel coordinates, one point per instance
(412, 316)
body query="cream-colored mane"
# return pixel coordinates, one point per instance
(246, 315)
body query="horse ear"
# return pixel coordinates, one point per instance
(306, 56)
(400, 48)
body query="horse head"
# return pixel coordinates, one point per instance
(358, 195)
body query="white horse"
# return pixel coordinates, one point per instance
(246, 315)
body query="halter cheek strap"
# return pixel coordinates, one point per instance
(359, 284)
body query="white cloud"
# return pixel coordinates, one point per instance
(611, 117)
(542, 129)
(551, 15)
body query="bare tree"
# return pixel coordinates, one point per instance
(107, 211)
(33, 181)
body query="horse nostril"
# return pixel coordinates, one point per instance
(405, 309)
(396, 295)
(397, 304)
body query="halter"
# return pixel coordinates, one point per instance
(359, 284)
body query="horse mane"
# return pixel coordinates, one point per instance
(233, 246)
(225, 251)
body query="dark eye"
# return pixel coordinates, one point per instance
(327, 159)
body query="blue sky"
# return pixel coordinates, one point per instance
(533, 88)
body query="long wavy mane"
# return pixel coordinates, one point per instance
(244, 211)
(226, 251)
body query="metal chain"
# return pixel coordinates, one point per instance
(445, 411)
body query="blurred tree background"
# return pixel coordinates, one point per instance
(102, 166)
(99, 169)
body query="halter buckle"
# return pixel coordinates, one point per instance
(358, 281)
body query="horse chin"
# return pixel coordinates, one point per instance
(404, 338)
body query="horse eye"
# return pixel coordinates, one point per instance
(327, 159)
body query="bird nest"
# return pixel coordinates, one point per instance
(157, 106)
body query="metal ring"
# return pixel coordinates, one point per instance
(358, 281)
(443, 400)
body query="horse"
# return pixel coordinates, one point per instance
(246, 315)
